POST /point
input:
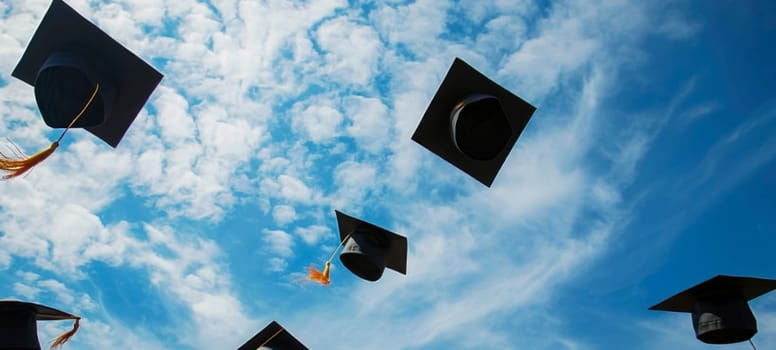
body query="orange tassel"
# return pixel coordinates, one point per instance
(320, 277)
(16, 167)
(323, 277)
(65, 336)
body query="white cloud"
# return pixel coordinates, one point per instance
(27, 291)
(283, 214)
(417, 25)
(59, 289)
(278, 242)
(312, 234)
(504, 33)
(277, 264)
(354, 181)
(190, 273)
(28, 276)
(318, 121)
(175, 123)
(350, 50)
(369, 122)
(183, 268)
(541, 61)
(293, 189)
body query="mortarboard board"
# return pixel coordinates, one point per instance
(369, 249)
(82, 78)
(19, 328)
(472, 122)
(719, 307)
(273, 337)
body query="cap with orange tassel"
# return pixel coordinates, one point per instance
(368, 250)
(82, 78)
(19, 327)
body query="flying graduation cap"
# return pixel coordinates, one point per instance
(19, 327)
(720, 307)
(82, 78)
(273, 337)
(472, 122)
(369, 249)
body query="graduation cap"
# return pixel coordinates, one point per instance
(82, 78)
(369, 249)
(472, 122)
(19, 327)
(273, 337)
(719, 307)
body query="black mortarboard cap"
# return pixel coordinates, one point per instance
(273, 337)
(369, 249)
(19, 327)
(65, 59)
(720, 307)
(472, 122)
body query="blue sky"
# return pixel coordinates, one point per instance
(648, 167)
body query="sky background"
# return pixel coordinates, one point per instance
(648, 167)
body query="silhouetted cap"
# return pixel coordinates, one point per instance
(719, 307)
(83, 79)
(370, 249)
(273, 337)
(472, 122)
(19, 327)
(67, 57)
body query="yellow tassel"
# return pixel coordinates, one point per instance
(320, 277)
(323, 277)
(65, 336)
(16, 167)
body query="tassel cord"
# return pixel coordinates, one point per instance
(78, 116)
(270, 338)
(338, 247)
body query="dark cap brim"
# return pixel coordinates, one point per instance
(62, 28)
(43, 312)
(397, 250)
(433, 132)
(275, 337)
(747, 288)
